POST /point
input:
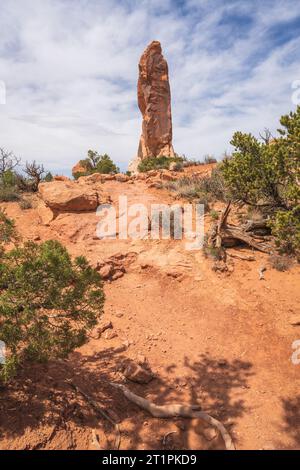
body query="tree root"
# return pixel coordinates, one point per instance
(176, 411)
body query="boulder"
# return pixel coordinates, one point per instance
(64, 196)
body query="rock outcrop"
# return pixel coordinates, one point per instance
(154, 100)
(64, 196)
(78, 169)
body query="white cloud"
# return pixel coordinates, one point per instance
(70, 69)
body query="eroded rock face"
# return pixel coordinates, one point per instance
(69, 196)
(154, 100)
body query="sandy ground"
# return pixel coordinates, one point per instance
(223, 341)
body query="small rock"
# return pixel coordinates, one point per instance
(105, 326)
(106, 271)
(137, 373)
(110, 334)
(117, 275)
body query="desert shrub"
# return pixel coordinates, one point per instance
(8, 179)
(48, 303)
(209, 159)
(22, 183)
(7, 228)
(9, 194)
(214, 184)
(280, 263)
(79, 174)
(285, 227)
(176, 166)
(35, 173)
(203, 190)
(49, 177)
(96, 163)
(8, 161)
(214, 214)
(267, 174)
(25, 204)
(157, 163)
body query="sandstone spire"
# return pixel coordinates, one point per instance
(154, 100)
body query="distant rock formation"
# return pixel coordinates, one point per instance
(78, 169)
(154, 100)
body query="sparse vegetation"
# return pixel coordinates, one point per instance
(7, 228)
(35, 173)
(209, 160)
(285, 226)
(48, 302)
(25, 204)
(267, 175)
(9, 194)
(8, 161)
(158, 163)
(96, 163)
(49, 177)
(280, 263)
(214, 214)
(14, 183)
(204, 190)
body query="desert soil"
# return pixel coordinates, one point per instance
(220, 340)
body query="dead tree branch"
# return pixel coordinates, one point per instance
(175, 411)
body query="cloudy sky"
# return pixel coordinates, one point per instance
(70, 71)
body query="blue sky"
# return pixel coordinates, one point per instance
(70, 70)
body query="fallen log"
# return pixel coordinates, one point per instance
(226, 235)
(242, 257)
(231, 231)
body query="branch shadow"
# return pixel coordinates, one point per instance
(291, 426)
(41, 410)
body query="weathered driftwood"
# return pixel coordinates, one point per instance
(176, 411)
(242, 257)
(230, 231)
(251, 234)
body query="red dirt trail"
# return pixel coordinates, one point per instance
(223, 341)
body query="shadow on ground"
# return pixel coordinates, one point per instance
(41, 410)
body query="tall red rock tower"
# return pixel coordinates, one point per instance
(154, 100)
